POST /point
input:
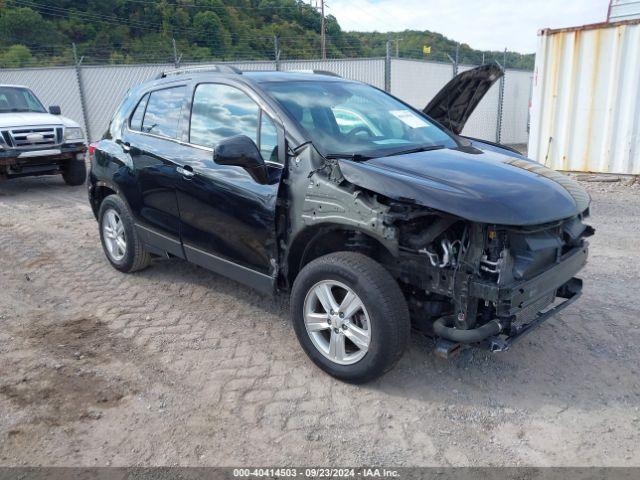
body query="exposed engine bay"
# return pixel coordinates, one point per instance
(465, 282)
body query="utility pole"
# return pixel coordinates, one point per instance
(323, 38)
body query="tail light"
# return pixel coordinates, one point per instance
(92, 149)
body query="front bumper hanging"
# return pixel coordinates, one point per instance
(511, 302)
(570, 291)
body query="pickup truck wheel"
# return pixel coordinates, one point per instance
(350, 316)
(74, 172)
(121, 245)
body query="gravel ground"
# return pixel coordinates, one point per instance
(178, 366)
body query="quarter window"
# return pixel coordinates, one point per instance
(219, 112)
(162, 115)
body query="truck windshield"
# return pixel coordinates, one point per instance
(16, 99)
(355, 120)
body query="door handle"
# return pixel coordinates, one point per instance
(186, 171)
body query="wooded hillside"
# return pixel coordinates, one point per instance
(41, 32)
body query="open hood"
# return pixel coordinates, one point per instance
(454, 104)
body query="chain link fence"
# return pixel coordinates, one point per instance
(89, 94)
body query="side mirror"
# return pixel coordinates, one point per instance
(55, 110)
(241, 151)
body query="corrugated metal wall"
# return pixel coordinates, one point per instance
(624, 10)
(416, 82)
(585, 113)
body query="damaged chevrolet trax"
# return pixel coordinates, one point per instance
(374, 216)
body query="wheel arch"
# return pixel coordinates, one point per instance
(98, 192)
(322, 239)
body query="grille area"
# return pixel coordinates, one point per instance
(33, 137)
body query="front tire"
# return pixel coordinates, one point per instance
(74, 172)
(120, 243)
(350, 316)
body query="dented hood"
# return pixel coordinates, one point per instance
(485, 187)
(454, 104)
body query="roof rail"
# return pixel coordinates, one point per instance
(207, 68)
(318, 72)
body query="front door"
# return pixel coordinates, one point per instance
(228, 218)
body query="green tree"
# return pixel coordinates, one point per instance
(208, 31)
(141, 31)
(25, 26)
(16, 56)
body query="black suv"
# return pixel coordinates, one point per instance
(375, 216)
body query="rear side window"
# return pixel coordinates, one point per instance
(162, 115)
(219, 112)
(138, 113)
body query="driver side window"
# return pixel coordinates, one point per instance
(222, 111)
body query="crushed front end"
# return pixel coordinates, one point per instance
(483, 284)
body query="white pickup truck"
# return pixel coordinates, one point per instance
(36, 142)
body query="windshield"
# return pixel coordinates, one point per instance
(352, 119)
(16, 99)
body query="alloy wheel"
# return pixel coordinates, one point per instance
(113, 235)
(337, 322)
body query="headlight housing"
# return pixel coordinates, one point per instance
(73, 133)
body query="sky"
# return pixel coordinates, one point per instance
(483, 24)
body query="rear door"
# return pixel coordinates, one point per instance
(151, 138)
(227, 217)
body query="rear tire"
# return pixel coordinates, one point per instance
(74, 172)
(120, 243)
(381, 322)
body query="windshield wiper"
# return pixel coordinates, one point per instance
(425, 148)
(356, 157)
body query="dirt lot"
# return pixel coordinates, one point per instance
(178, 366)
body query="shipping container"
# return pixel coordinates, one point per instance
(585, 113)
(623, 10)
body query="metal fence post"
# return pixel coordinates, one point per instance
(387, 68)
(454, 61)
(276, 52)
(501, 97)
(85, 117)
(176, 58)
